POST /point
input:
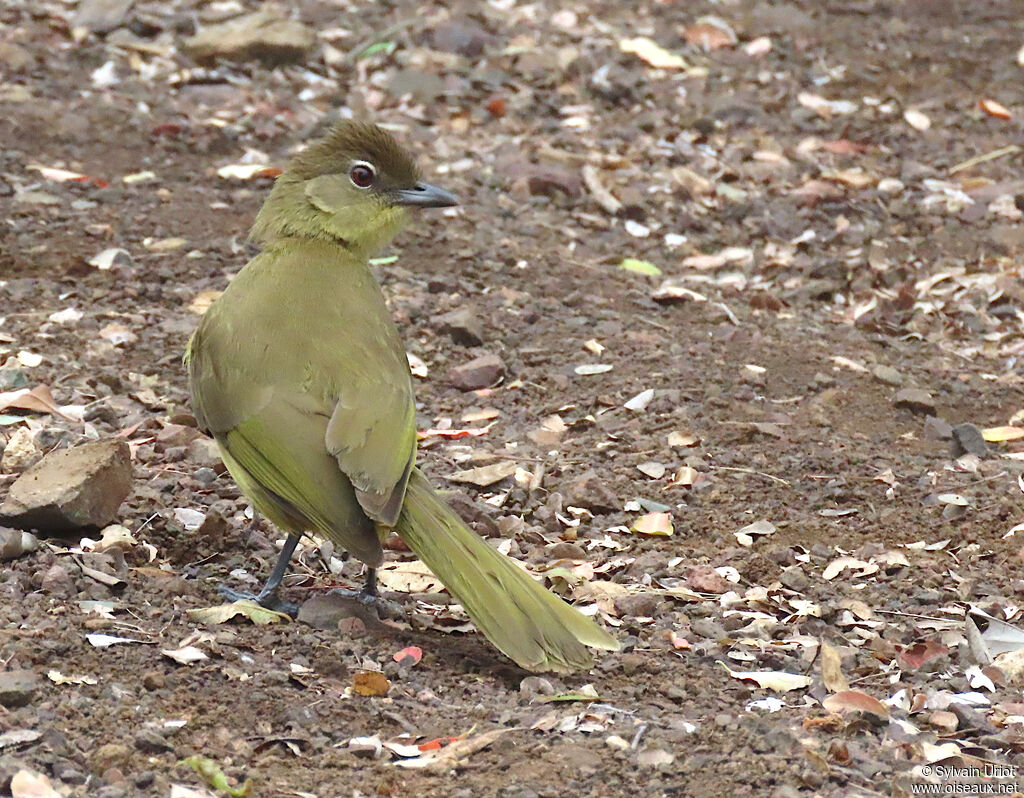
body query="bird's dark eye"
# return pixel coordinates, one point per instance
(362, 174)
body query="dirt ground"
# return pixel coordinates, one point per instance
(838, 285)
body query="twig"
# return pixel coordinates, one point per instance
(751, 471)
(602, 196)
(1010, 149)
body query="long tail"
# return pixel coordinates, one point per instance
(523, 620)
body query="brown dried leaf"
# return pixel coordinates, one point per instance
(370, 683)
(849, 701)
(38, 400)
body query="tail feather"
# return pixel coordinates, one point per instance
(524, 621)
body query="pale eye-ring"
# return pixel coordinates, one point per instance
(362, 174)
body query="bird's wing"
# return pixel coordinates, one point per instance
(372, 431)
(342, 365)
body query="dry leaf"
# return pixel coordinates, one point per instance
(449, 756)
(98, 640)
(840, 564)
(185, 655)
(992, 108)
(416, 366)
(589, 369)
(38, 399)
(202, 301)
(832, 670)
(1000, 434)
(653, 53)
(654, 524)
(485, 475)
(247, 609)
(413, 654)
(59, 678)
(247, 171)
(370, 683)
(408, 577)
(849, 701)
(779, 681)
(710, 33)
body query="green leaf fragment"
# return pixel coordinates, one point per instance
(640, 267)
(211, 773)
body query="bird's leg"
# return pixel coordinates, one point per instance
(268, 597)
(370, 585)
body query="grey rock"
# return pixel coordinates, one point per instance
(642, 605)
(152, 742)
(330, 610)
(21, 451)
(708, 629)
(536, 685)
(916, 400)
(887, 374)
(15, 57)
(795, 579)
(18, 688)
(57, 581)
(590, 491)
(937, 429)
(12, 379)
(262, 36)
(71, 489)
(101, 16)
(15, 542)
(565, 551)
(967, 439)
(480, 372)
(464, 327)
(204, 452)
(459, 37)
(205, 475)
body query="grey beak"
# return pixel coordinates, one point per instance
(424, 195)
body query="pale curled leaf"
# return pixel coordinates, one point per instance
(103, 641)
(653, 53)
(408, 577)
(244, 608)
(57, 677)
(185, 655)
(779, 681)
(832, 670)
(1001, 434)
(654, 524)
(998, 636)
(485, 475)
(840, 564)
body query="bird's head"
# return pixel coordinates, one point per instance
(354, 185)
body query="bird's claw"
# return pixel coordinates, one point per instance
(271, 600)
(384, 608)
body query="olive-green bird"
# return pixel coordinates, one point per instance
(299, 373)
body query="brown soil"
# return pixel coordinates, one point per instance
(791, 441)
